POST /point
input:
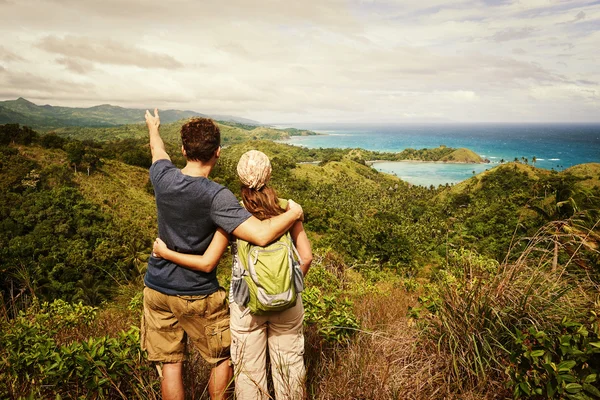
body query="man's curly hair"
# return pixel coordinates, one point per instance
(201, 137)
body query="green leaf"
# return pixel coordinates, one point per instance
(550, 368)
(565, 340)
(537, 353)
(591, 389)
(573, 387)
(590, 378)
(525, 388)
(595, 344)
(566, 366)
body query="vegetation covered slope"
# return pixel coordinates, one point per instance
(462, 156)
(25, 112)
(230, 132)
(498, 274)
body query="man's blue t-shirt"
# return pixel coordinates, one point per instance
(189, 211)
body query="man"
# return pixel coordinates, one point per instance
(180, 302)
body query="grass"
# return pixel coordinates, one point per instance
(120, 190)
(480, 311)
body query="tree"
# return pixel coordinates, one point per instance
(90, 160)
(52, 141)
(75, 152)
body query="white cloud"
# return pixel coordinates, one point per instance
(107, 51)
(75, 65)
(9, 56)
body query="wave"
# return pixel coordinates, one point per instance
(554, 159)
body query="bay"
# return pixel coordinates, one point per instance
(555, 146)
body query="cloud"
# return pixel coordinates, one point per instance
(107, 51)
(512, 34)
(320, 60)
(9, 56)
(77, 66)
(587, 82)
(15, 84)
(580, 15)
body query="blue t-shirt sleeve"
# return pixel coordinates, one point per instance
(226, 212)
(158, 170)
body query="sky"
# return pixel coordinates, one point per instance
(278, 61)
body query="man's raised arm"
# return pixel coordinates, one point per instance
(263, 232)
(157, 146)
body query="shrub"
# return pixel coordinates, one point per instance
(34, 364)
(332, 315)
(481, 306)
(563, 362)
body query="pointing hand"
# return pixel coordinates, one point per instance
(152, 121)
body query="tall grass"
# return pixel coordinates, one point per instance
(480, 310)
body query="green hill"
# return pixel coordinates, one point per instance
(170, 131)
(590, 174)
(462, 155)
(25, 112)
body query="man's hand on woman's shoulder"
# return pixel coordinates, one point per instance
(295, 207)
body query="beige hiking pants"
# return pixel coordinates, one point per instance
(282, 332)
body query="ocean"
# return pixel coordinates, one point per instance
(555, 146)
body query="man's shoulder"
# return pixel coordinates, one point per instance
(162, 163)
(161, 166)
(214, 187)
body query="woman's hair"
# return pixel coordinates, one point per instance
(262, 203)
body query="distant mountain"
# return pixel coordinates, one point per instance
(230, 118)
(24, 112)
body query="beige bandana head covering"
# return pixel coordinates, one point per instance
(254, 169)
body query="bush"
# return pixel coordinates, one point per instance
(34, 364)
(563, 361)
(333, 316)
(481, 305)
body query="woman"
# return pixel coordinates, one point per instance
(251, 334)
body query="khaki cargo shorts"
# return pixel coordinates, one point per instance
(168, 321)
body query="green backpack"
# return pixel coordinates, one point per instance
(272, 275)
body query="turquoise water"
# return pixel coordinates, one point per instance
(427, 173)
(556, 146)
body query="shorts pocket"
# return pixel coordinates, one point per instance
(218, 338)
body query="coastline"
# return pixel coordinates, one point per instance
(372, 162)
